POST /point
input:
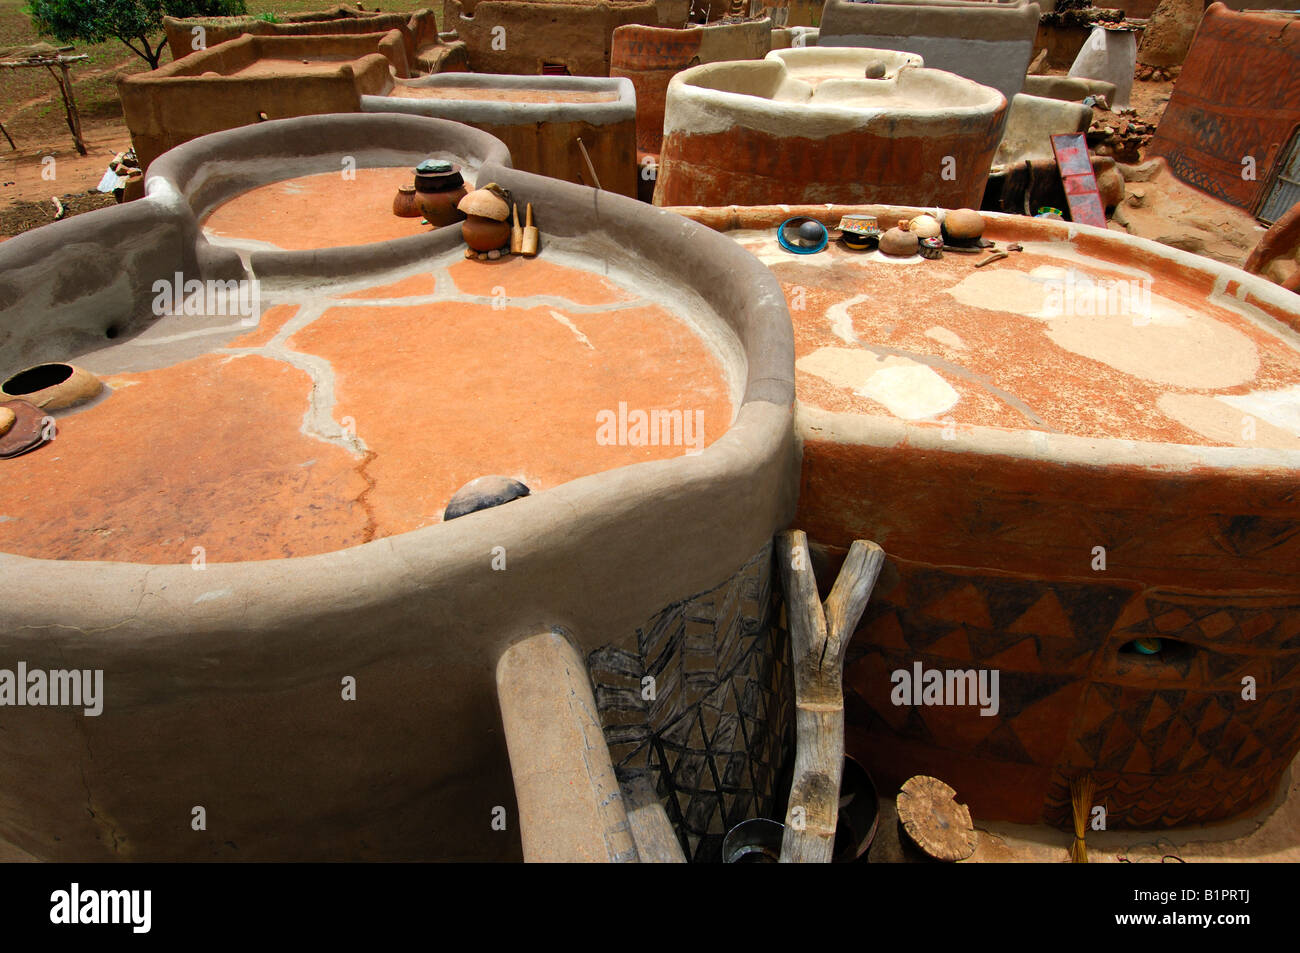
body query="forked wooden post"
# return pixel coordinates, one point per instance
(819, 637)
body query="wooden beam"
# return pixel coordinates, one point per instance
(819, 639)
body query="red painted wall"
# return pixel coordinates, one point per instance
(1238, 96)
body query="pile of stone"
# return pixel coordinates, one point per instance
(1156, 74)
(1118, 136)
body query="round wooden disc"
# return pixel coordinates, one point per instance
(933, 819)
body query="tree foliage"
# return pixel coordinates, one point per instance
(131, 21)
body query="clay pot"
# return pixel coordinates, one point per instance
(964, 224)
(899, 242)
(52, 386)
(439, 188)
(925, 226)
(486, 226)
(485, 234)
(406, 204)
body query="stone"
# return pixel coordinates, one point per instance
(7, 418)
(1140, 173)
(1110, 184)
(494, 254)
(1183, 240)
(483, 493)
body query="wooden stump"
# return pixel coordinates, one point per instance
(935, 822)
(819, 638)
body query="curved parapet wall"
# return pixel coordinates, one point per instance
(754, 133)
(812, 65)
(1091, 442)
(990, 43)
(200, 176)
(225, 683)
(539, 118)
(651, 56)
(526, 36)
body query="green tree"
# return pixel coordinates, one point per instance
(131, 21)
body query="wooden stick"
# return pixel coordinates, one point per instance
(73, 115)
(7, 136)
(516, 233)
(819, 638)
(590, 168)
(529, 246)
(990, 258)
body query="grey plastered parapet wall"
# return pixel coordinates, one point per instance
(990, 43)
(540, 134)
(222, 686)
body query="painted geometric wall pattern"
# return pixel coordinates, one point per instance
(1169, 737)
(713, 739)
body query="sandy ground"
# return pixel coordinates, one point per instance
(1175, 214)
(1273, 835)
(27, 177)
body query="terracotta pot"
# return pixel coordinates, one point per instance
(52, 386)
(439, 187)
(964, 224)
(899, 243)
(485, 234)
(406, 204)
(440, 207)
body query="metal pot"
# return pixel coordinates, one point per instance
(756, 841)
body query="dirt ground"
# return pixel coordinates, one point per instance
(1272, 835)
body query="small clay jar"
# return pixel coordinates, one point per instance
(439, 188)
(406, 204)
(899, 242)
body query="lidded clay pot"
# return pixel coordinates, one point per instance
(439, 188)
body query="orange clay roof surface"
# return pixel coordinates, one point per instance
(317, 211)
(1064, 337)
(222, 451)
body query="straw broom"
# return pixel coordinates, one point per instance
(1081, 788)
